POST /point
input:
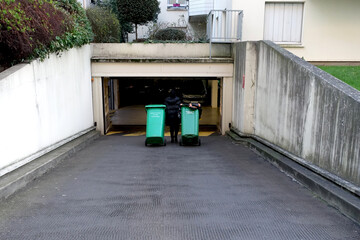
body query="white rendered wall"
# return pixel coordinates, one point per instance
(223, 4)
(203, 7)
(330, 30)
(159, 50)
(43, 103)
(253, 19)
(200, 7)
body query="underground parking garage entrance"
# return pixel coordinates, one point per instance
(125, 100)
(121, 91)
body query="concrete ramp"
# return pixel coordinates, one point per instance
(118, 189)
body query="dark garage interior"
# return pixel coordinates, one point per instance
(126, 98)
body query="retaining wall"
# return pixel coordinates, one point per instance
(43, 104)
(297, 108)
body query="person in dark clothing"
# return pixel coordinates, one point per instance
(172, 114)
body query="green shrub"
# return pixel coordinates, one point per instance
(125, 27)
(105, 25)
(34, 28)
(26, 25)
(170, 34)
(78, 33)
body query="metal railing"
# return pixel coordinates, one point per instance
(224, 26)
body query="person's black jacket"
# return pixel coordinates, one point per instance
(172, 110)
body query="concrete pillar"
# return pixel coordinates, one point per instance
(244, 87)
(249, 87)
(117, 94)
(214, 93)
(98, 104)
(226, 104)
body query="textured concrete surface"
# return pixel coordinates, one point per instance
(336, 196)
(118, 189)
(299, 108)
(20, 177)
(165, 51)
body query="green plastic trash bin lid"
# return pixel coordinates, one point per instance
(189, 122)
(155, 124)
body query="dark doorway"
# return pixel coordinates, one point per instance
(127, 98)
(143, 91)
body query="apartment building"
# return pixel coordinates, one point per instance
(317, 30)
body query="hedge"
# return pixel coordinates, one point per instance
(105, 25)
(34, 28)
(170, 34)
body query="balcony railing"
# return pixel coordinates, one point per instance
(224, 26)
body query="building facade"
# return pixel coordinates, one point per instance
(316, 30)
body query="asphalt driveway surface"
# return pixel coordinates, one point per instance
(119, 189)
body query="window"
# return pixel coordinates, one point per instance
(283, 22)
(177, 4)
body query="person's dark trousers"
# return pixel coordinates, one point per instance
(174, 130)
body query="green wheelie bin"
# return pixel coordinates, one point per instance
(155, 125)
(189, 126)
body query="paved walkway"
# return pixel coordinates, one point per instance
(119, 189)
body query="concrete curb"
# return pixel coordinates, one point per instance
(344, 201)
(14, 181)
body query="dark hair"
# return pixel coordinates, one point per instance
(172, 93)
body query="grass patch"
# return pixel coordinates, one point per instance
(348, 74)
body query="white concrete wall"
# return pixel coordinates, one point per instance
(159, 50)
(330, 29)
(253, 20)
(200, 7)
(223, 4)
(226, 104)
(42, 103)
(306, 113)
(245, 69)
(203, 7)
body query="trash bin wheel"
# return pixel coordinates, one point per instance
(146, 143)
(199, 143)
